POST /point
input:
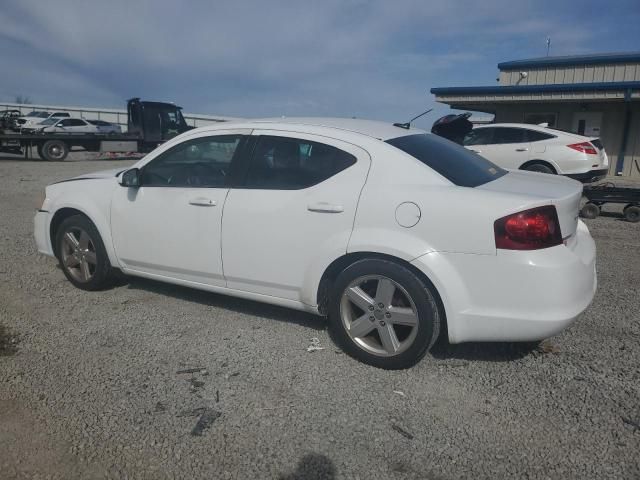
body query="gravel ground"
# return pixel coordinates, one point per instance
(89, 382)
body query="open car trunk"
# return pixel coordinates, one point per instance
(453, 127)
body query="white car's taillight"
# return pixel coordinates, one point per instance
(528, 230)
(584, 147)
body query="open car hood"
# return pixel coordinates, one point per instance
(453, 127)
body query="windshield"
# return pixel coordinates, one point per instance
(38, 114)
(49, 121)
(455, 163)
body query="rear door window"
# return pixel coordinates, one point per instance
(457, 164)
(282, 163)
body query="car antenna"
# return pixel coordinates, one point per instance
(407, 125)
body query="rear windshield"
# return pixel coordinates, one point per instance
(455, 163)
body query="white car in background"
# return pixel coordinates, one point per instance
(65, 125)
(105, 127)
(33, 116)
(38, 120)
(521, 146)
(394, 234)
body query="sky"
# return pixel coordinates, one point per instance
(368, 59)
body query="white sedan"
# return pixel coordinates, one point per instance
(396, 235)
(65, 125)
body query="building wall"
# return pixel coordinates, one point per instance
(618, 72)
(613, 116)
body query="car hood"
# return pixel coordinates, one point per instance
(539, 189)
(96, 175)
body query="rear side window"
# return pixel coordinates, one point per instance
(281, 163)
(509, 135)
(535, 136)
(455, 163)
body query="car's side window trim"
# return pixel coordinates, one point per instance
(238, 154)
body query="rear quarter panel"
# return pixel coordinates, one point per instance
(452, 218)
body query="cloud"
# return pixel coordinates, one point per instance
(248, 58)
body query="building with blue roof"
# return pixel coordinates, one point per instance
(594, 95)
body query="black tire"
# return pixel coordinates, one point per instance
(590, 210)
(539, 167)
(423, 296)
(632, 213)
(54, 150)
(101, 274)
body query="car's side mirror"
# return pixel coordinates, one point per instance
(131, 178)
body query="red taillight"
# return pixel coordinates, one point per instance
(529, 230)
(584, 147)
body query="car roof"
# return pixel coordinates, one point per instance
(371, 128)
(529, 126)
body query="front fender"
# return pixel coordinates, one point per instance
(92, 200)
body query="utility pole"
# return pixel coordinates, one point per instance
(548, 45)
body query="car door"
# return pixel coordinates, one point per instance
(293, 213)
(170, 226)
(65, 125)
(510, 148)
(480, 141)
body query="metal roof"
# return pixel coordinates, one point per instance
(558, 87)
(596, 59)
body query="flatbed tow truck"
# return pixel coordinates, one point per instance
(149, 125)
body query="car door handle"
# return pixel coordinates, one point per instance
(475, 151)
(202, 202)
(324, 207)
(522, 149)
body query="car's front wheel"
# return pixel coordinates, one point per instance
(82, 255)
(383, 314)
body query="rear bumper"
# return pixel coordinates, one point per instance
(514, 295)
(41, 232)
(590, 176)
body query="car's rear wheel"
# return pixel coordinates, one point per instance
(539, 167)
(382, 314)
(82, 255)
(54, 150)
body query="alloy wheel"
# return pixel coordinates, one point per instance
(79, 254)
(379, 315)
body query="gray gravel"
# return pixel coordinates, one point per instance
(92, 391)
